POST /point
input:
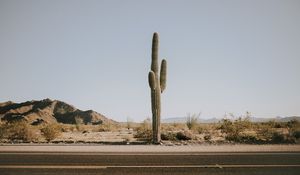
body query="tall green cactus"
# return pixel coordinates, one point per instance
(157, 85)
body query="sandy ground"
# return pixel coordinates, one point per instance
(147, 148)
(118, 136)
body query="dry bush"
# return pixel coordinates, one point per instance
(51, 131)
(207, 137)
(3, 129)
(169, 136)
(108, 127)
(273, 132)
(235, 130)
(184, 135)
(278, 137)
(165, 127)
(265, 132)
(144, 132)
(192, 120)
(206, 128)
(177, 135)
(275, 124)
(294, 128)
(20, 131)
(296, 134)
(67, 127)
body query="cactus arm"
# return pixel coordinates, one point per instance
(154, 63)
(151, 79)
(163, 75)
(152, 84)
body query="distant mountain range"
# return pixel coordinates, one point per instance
(49, 111)
(216, 120)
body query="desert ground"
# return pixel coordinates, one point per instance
(239, 131)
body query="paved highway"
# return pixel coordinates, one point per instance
(51, 163)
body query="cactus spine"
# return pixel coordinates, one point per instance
(157, 85)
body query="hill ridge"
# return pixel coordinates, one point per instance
(49, 111)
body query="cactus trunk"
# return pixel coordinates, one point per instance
(157, 85)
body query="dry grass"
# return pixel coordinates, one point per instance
(192, 120)
(51, 131)
(19, 131)
(144, 131)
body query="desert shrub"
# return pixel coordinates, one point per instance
(204, 128)
(192, 120)
(274, 124)
(294, 130)
(184, 135)
(3, 130)
(293, 123)
(51, 131)
(227, 127)
(199, 129)
(279, 125)
(234, 130)
(268, 134)
(173, 126)
(278, 137)
(144, 132)
(207, 137)
(67, 127)
(244, 138)
(20, 130)
(168, 136)
(107, 127)
(265, 132)
(296, 134)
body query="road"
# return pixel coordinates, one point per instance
(62, 163)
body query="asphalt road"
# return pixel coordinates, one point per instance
(149, 163)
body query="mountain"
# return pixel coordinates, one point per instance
(215, 120)
(49, 111)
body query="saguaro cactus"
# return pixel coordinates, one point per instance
(157, 85)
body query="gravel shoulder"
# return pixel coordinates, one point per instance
(148, 148)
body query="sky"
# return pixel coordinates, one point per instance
(223, 56)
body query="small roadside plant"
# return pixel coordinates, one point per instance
(235, 130)
(51, 131)
(192, 121)
(144, 132)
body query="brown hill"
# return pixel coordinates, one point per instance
(49, 111)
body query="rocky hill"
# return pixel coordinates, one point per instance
(49, 111)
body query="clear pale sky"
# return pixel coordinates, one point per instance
(223, 56)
